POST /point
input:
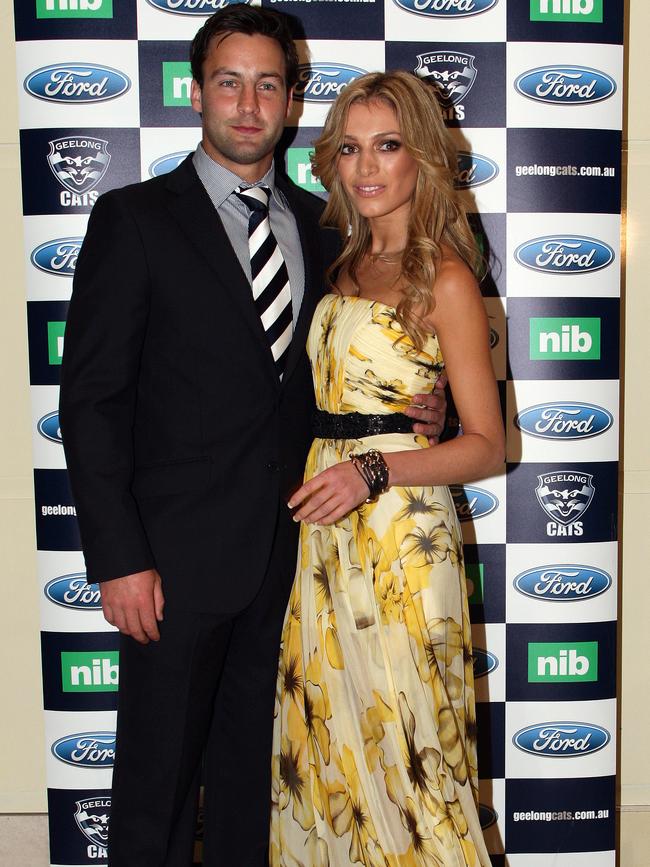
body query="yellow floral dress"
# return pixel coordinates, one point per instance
(374, 744)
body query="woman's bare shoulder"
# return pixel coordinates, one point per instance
(454, 278)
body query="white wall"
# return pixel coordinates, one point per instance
(635, 479)
(22, 745)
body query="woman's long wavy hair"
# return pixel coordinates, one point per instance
(437, 215)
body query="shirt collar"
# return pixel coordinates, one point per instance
(220, 182)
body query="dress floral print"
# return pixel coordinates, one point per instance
(374, 746)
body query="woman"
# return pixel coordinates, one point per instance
(374, 758)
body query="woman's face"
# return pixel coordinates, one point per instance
(376, 170)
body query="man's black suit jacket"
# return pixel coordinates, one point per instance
(181, 443)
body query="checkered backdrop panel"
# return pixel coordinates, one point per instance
(532, 92)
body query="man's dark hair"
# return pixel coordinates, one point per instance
(252, 21)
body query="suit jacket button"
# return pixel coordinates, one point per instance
(273, 466)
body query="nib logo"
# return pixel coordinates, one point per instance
(299, 170)
(90, 671)
(563, 663)
(177, 83)
(590, 11)
(74, 8)
(563, 339)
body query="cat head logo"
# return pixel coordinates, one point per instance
(565, 496)
(79, 163)
(451, 73)
(92, 817)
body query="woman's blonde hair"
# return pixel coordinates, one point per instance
(437, 215)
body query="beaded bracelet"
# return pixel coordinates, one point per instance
(373, 469)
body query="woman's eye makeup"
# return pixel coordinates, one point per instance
(391, 144)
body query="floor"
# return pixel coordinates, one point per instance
(23, 841)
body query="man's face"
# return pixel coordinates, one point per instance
(244, 102)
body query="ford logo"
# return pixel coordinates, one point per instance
(76, 83)
(73, 591)
(48, 427)
(471, 502)
(487, 816)
(193, 7)
(57, 257)
(561, 740)
(563, 583)
(446, 8)
(564, 254)
(86, 750)
(474, 170)
(166, 164)
(322, 82)
(484, 662)
(564, 420)
(565, 85)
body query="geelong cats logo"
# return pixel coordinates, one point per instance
(565, 497)
(79, 163)
(92, 817)
(452, 74)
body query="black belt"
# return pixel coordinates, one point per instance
(354, 425)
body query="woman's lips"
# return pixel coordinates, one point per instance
(369, 190)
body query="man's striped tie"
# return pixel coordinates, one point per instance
(269, 275)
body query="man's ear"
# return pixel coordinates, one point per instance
(289, 102)
(196, 96)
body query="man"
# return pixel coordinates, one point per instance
(185, 416)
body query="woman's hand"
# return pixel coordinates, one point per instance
(330, 495)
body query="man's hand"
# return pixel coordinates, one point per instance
(134, 603)
(430, 410)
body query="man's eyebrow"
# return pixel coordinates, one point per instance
(223, 70)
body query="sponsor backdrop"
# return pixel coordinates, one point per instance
(532, 91)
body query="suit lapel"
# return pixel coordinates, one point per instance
(190, 205)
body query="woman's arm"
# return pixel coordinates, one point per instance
(460, 322)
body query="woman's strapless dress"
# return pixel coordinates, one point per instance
(374, 748)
